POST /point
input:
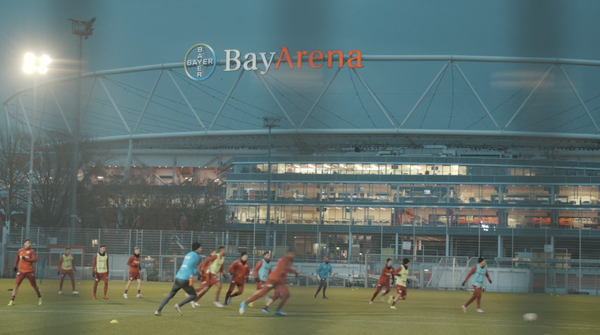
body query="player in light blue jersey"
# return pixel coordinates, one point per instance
(479, 273)
(184, 279)
(323, 273)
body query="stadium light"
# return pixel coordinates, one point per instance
(33, 63)
(30, 66)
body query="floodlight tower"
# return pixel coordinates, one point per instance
(83, 29)
(33, 65)
(269, 122)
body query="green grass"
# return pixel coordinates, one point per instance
(347, 312)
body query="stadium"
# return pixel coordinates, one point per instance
(359, 145)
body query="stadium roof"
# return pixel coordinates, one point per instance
(392, 101)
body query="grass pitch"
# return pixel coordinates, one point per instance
(346, 312)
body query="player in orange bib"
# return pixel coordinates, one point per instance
(24, 268)
(135, 266)
(386, 276)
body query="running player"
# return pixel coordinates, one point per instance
(202, 278)
(276, 280)
(240, 271)
(323, 272)
(401, 280)
(479, 273)
(215, 267)
(262, 270)
(135, 266)
(184, 279)
(100, 270)
(387, 275)
(24, 268)
(66, 267)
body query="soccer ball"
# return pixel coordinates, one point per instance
(530, 317)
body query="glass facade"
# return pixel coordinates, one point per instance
(487, 200)
(411, 169)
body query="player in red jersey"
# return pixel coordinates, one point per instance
(215, 266)
(276, 281)
(387, 275)
(135, 266)
(240, 271)
(24, 268)
(202, 278)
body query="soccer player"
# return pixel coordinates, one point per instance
(215, 267)
(387, 275)
(202, 278)
(240, 271)
(100, 270)
(24, 268)
(135, 266)
(184, 279)
(401, 280)
(261, 272)
(66, 267)
(276, 280)
(323, 272)
(479, 272)
(262, 269)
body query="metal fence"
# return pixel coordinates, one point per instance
(528, 275)
(517, 263)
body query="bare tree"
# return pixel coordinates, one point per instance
(52, 166)
(137, 204)
(14, 165)
(200, 208)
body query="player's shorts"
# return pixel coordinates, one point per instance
(259, 284)
(401, 290)
(21, 276)
(101, 276)
(66, 272)
(386, 286)
(134, 276)
(238, 283)
(211, 280)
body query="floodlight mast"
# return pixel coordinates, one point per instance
(32, 65)
(269, 122)
(83, 29)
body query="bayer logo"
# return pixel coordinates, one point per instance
(200, 62)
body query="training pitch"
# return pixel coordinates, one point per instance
(346, 312)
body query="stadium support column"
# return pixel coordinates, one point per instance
(396, 244)
(499, 246)
(174, 169)
(350, 227)
(580, 274)
(319, 247)
(269, 122)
